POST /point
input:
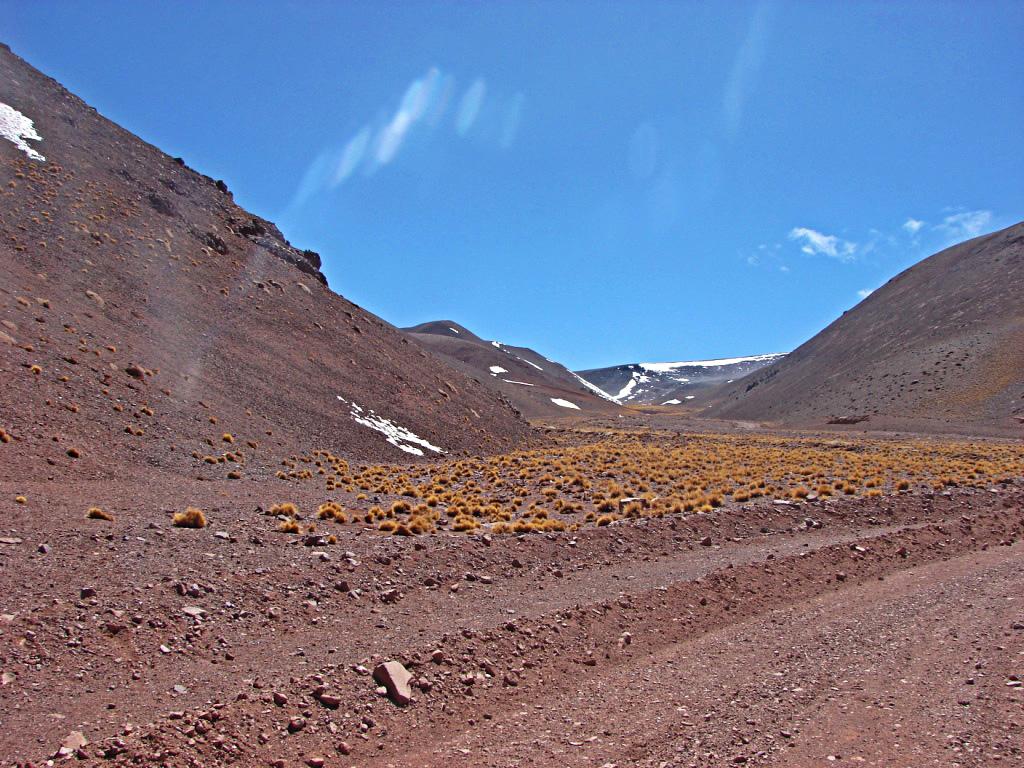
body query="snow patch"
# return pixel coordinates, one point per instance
(673, 401)
(496, 344)
(564, 403)
(690, 397)
(16, 128)
(636, 378)
(400, 437)
(524, 383)
(453, 330)
(496, 369)
(668, 367)
(596, 390)
(529, 363)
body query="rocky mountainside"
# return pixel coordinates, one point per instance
(538, 387)
(672, 383)
(940, 347)
(149, 321)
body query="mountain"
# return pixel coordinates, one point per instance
(940, 347)
(538, 387)
(672, 383)
(149, 321)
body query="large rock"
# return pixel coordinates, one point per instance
(393, 676)
(72, 743)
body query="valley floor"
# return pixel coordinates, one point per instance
(865, 630)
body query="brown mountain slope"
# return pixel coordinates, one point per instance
(940, 347)
(538, 387)
(145, 316)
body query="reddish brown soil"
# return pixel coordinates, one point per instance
(633, 644)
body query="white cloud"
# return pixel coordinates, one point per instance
(746, 66)
(815, 243)
(913, 226)
(865, 292)
(966, 224)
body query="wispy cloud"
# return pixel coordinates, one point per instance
(865, 292)
(816, 243)
(429, 102)
(746, 66)
(913, 226)
(965, 224)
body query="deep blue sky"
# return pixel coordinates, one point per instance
(604, 182)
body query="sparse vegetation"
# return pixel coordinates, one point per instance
(95, 513)
(192, 517)
(559, 489)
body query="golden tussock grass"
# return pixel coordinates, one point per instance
(192, 517)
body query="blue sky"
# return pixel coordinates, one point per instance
(605, 182)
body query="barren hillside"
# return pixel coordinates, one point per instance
(940, 347)
(537, 386)
(150, 321)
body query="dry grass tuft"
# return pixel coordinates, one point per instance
(288, 526)
(192, 517)
(95, 513)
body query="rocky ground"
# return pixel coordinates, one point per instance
(864, 631)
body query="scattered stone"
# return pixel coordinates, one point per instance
(193, 611)
(296, 724)
(395, 679)
(280, 699)
(72, 743)
(328, 700)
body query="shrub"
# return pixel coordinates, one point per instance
(285, 508)
(192, 517)
(288, 526)
(95, 513)
(331, 510)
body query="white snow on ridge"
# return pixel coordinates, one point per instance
(400, 437)
(596, 390)
(496, 344)
(16, 128)
(524, 383)
(666, 367)
(496, 369)
(529, 363)
(564, 403)
(453, 330)
(636, 378)
(673, 401)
